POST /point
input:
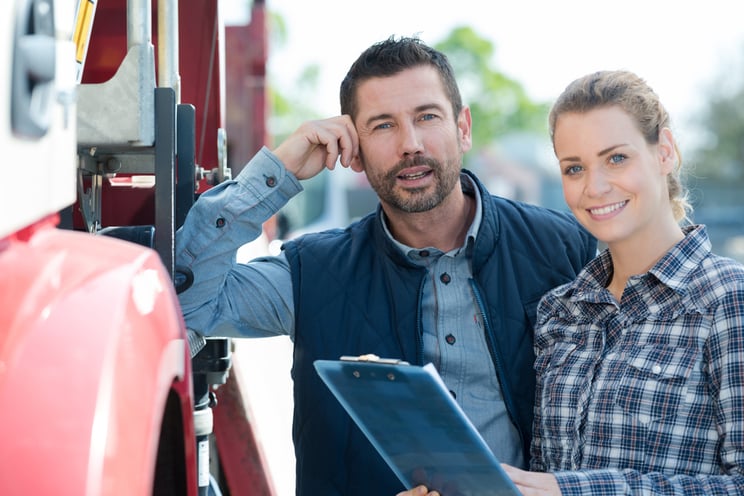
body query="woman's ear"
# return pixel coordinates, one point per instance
(667, 151)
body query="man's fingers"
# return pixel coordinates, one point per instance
(349, 142)
(319, 144)
(341, 141)
(418, 491)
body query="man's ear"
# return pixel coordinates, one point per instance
(356, 164)
(668, 158)
(465, 129)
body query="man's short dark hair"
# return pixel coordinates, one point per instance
(388, 58)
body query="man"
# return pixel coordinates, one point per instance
(442, 272)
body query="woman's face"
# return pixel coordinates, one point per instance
(613, 180)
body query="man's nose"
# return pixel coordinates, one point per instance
(410, 140)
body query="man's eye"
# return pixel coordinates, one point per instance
(384, 125)
(428, 117)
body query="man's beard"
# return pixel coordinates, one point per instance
(417, 199)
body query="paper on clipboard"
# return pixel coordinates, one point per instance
(410, 417)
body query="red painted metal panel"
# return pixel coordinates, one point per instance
(246, 55)
(202, 68)
(92, 341)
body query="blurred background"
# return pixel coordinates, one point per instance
(512, 60)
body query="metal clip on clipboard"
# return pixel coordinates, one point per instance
(372, 358)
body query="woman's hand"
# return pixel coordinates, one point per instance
(532, 483)
(528, 483)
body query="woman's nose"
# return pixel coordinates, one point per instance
(597, 184)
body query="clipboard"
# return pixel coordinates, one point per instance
(410, 417)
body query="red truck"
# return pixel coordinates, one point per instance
(114, 122)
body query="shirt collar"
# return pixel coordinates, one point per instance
(469, 188)
(673, 269)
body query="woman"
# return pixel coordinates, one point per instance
(640, 360)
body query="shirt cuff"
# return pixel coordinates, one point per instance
(265, 175)
(591, 482)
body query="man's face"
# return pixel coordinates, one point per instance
(411, 145)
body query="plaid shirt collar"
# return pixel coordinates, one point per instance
(673, 269)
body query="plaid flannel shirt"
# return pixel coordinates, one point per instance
(645, 396)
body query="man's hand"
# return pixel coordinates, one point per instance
(316, 145)
(418, 491)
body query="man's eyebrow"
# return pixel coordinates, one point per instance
(379, 117)
(429, 106)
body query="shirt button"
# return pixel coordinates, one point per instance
(270, 181)
(450, 339)
(424, 253)
(220, 223)
(656, 369)
(445, 278)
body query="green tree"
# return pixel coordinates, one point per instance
(499, 104)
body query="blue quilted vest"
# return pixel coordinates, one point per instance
(355, 293)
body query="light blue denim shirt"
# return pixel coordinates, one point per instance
(228, 298)
(454, 340)
(255, 299)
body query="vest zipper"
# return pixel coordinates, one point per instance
(491, 342)
(419, 325)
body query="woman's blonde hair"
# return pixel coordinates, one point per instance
(631, 93)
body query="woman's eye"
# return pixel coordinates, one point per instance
(617, 158)
(572, 170)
